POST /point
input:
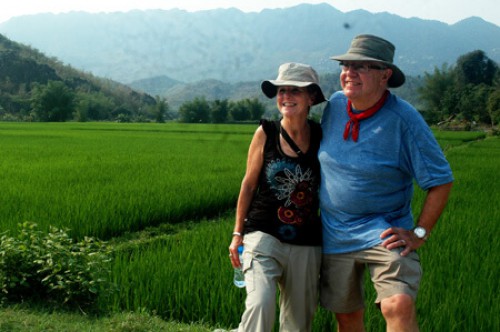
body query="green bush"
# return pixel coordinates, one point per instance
(52, 267)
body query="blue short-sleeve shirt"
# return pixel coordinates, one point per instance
(367, 186)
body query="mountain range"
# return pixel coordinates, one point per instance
(164, 51)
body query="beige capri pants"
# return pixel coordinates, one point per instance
(268, 264)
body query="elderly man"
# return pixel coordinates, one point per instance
(374, 146)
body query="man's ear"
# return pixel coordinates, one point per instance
(387, 75)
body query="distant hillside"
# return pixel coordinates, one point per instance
(155, 86)
(232, 46)
(23, 69)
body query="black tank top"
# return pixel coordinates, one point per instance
(286, 204)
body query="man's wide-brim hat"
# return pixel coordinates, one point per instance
(373, 48)
(294, 74)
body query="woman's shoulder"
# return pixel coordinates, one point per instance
(316, 131)
(269, 126)
(313, 124)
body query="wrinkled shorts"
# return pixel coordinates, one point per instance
(342, 277)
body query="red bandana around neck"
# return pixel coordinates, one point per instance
(355, 118)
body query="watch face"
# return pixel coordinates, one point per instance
(419, 232)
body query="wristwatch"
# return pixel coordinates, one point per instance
(420, 233)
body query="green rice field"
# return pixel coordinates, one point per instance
(106, 179)
(163, 196)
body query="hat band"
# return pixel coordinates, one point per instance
(372, 53)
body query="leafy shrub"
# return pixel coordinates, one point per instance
(52, 267)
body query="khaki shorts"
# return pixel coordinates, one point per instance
(342, 289)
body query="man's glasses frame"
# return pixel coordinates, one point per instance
(360, 67)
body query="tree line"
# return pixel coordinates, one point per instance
(221, 111)
(465, 95)
(56, 102)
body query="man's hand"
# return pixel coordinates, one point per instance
(395, 237)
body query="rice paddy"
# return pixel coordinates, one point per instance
(178, 184)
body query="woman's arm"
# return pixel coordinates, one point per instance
(248, 187)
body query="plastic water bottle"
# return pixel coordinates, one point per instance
(239, 278)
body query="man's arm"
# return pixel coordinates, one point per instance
(434, 204)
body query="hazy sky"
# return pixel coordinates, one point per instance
(448, 11)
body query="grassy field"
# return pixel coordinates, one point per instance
(138, 185)
(105, 179)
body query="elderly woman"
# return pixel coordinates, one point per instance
(277, 212)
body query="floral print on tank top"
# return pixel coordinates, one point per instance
(293, 187)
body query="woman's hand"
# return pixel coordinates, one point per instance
(233, 251)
